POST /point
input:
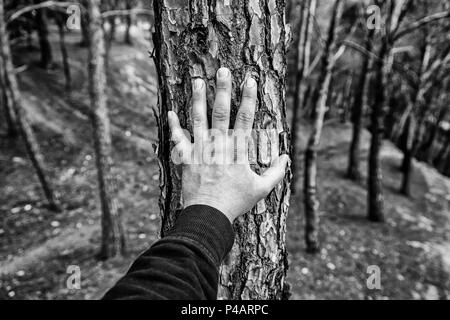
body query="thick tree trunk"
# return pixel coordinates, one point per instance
(354, 171)
(308, 12)
(44, 43)
(192, 40)
(113, 238)
(375, 188)
(11, 86)
(310, 184)
(64, 54)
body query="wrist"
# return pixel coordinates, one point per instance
(213, 204)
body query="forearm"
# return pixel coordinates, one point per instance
(184, 264)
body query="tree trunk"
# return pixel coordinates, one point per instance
(64, 54)
(128, 21)
(12, 88)
(113, 238)
(408, 155)
(84, 24)
(307, 11)
(192, 40)
(310, 184)
(354, 171)
(44, 43)
(375, 188)
(7, 110)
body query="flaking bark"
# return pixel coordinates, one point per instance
(192, 40)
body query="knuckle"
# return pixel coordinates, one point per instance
(245, 117)
(223, 85)
(197, 120)
(249, 94)
(220, 113)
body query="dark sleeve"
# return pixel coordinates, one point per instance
(184, 265)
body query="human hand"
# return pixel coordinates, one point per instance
(214, 173)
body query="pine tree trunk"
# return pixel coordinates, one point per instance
(310, 184)
(192, 40)
(44, 43)
(113, 238)
(354, 171)
(12, 88)
(64, 54)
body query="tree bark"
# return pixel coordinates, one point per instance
(44, 43)
(113, 238)
(64, 54)
(11, 86)
(354, 170)
(192, 40)
(310, 184)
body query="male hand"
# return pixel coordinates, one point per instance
(214, 173)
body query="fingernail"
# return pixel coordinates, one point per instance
(198, 84)
(223, 73)
(250, 83)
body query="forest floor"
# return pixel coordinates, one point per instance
(412, 249)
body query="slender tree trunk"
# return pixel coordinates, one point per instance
(44, 43)
(192, 40)
(84, 25)
(307, 11)
(7, 110)
(113, 238)
(64, 54)
(9, 81)
(129, 22)
(310, 184)
(408, 155)
(354, 170)
(441, 155)
(375, 188)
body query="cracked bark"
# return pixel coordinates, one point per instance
(192, 40)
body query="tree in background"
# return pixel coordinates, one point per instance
(44, 43)
(61, 24)
(358, 107)
(307, 13)
(14, 99)
(113, 237)
(192, 40)
(319, 101)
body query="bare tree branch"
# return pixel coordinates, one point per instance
(422, 22)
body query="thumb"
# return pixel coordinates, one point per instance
(273, 176)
